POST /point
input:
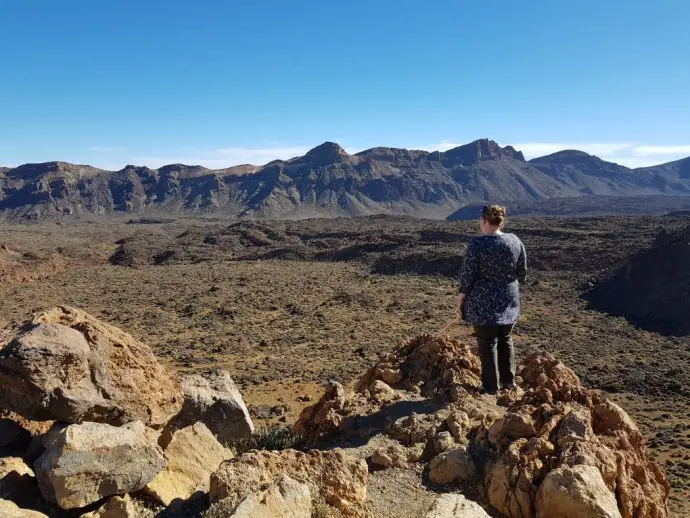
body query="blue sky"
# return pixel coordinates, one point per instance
(224, 82)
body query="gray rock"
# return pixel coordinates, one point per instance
(87, 462)
(191, 457)
(575, 492)
(115, 507)
(70, 367)
(455, 505)
(286, 498)
(452, 465)
(214, 400)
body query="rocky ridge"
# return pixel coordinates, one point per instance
(551, 446)
(515, 451)
(327, 181)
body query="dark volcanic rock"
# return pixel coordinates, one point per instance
(652, 289)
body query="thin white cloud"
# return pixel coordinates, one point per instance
(258, 156)
(661, 150)
(444, 145)
(625, 153)
(536, 149)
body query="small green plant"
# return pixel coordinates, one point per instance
(272, 438)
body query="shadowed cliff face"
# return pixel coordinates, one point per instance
(328, 181)
(652, 289)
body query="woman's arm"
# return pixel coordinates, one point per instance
(470, 268)
(522, 264)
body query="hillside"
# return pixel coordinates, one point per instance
(592, 205)
(652, 289)
(329, 182)
(592, 175)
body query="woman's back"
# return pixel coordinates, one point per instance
(498, 257)
(494, 265)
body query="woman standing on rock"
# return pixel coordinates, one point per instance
(489, 299)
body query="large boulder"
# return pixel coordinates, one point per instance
(191, 457)
(68, 366)
(575, 492)
(9, 509)
(455, 505)
(451, 465)
(287, 498)
(337, 478)
(84, 463)
(214, 400)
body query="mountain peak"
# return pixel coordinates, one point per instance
(326, 153)
(35, 170)
(480, 150)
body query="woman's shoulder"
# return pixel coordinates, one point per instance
(512, 238)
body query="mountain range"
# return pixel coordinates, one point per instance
(327, 181)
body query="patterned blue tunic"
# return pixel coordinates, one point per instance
(493, 267)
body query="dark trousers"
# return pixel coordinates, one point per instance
(497, 356)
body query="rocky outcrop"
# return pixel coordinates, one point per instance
(335, 477)
(559, 424)
(551, 422)
(212, 399)
(651, 288)
(575, 492)
(191, 457)
(455, 505)
(86, 462)
(68, 366)
(436, 362)
(430, 365)
(323, 418)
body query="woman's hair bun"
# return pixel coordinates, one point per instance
(494, 214)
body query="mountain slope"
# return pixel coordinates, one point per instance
(592, 175)
(327, 181)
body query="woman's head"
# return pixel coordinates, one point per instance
(492, 218)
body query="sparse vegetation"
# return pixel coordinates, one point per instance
(283, 327)
(271, 438)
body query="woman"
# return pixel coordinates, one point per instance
(490, 297)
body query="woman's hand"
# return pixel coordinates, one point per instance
(461, 302)
(458, 314)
